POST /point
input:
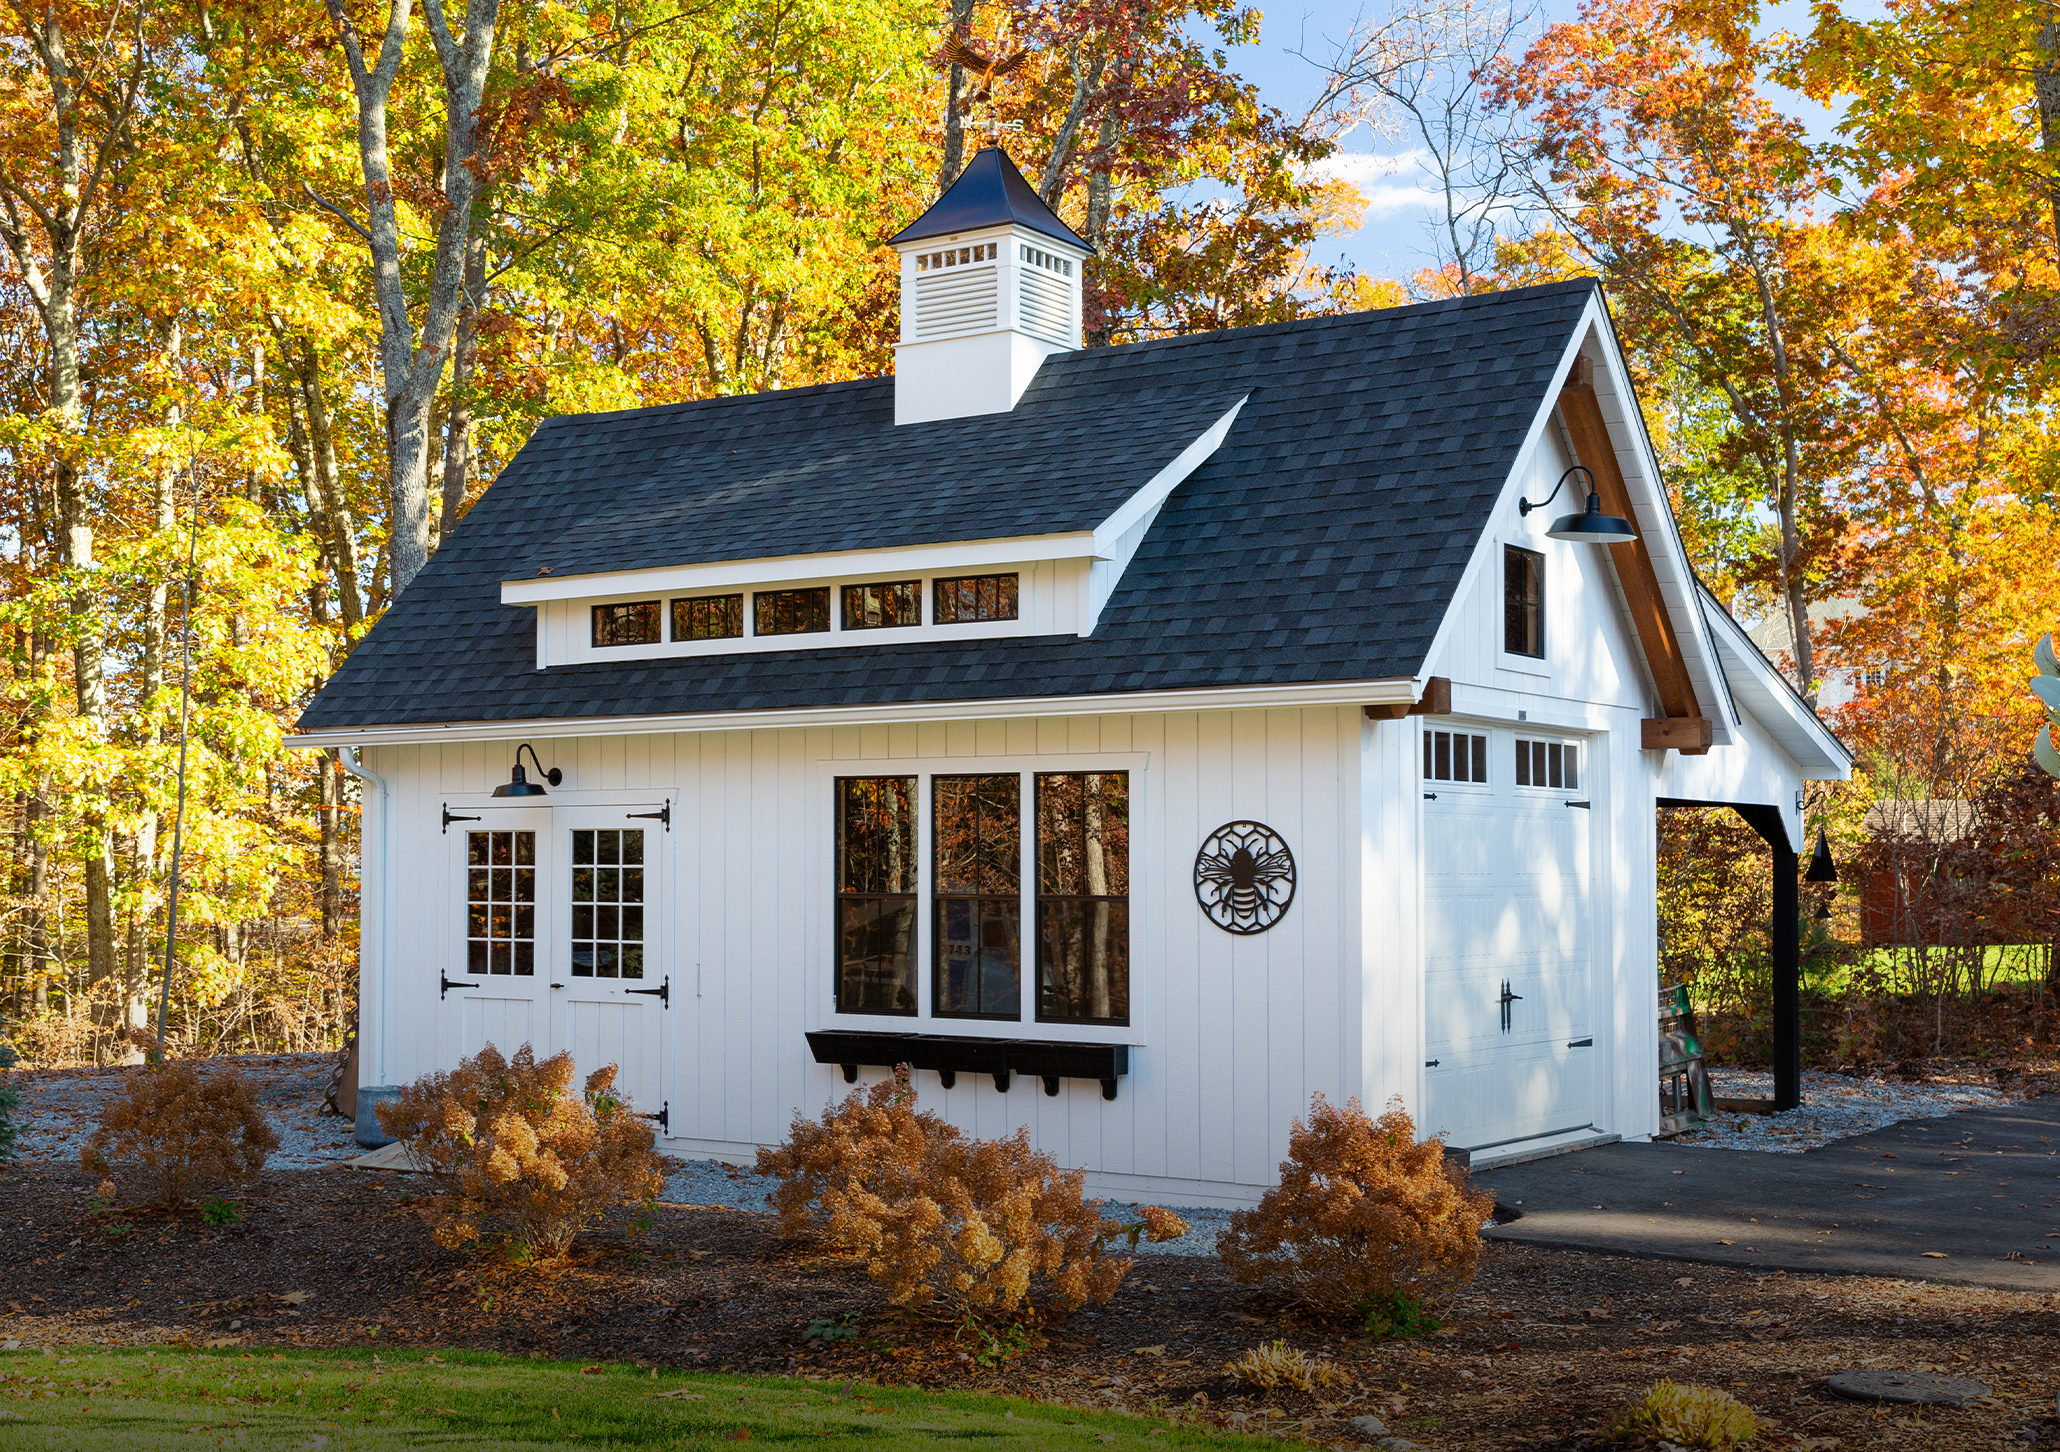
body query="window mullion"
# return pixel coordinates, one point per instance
(1027, 985)
(926, 897)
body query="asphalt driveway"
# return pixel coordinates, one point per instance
(1970, 1200)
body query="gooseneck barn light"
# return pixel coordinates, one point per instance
(1591, 525)
(518, 783)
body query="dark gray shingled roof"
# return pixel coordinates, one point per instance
(990, 192)
(1322, 542)
(781, 474)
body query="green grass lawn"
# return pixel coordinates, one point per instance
(398, 1401)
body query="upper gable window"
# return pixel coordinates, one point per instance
(973, 598)
(791, 612)
(880, 607)
(1523, 602)
(635, 623)
(710, 617)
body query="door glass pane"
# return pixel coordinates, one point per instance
(607, 903)
(1083, 897)
(876, 894)
(500, 924)
(977, 844)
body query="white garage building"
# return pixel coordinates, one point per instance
(1134, 740)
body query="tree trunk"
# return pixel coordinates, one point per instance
(2045, 85)
(954, 92)
(457, 452)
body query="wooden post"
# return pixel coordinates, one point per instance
(1785, 937)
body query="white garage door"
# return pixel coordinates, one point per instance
(1509, 982)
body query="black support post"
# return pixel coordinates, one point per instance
(1784, 933)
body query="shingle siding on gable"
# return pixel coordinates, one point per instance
(1322, 542)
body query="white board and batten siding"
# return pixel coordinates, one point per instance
(1233, 1034)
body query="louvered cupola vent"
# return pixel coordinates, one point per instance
(990, 287)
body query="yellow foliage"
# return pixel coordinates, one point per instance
(1363, 1210)
(1279, 1364)
(178, 1128)
(531, 1159)
(943, 1218)
(1686, 1416)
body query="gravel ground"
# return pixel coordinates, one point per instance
(59, 1107)
(1834, 1107)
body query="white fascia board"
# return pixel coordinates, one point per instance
(1388, 691)
(1163, 483)
(1767, 696)
(779, 569)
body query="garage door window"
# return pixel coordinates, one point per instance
(1454, 756)
(1548, 764)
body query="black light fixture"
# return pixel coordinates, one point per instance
(1591, 525)
(1822, 869)
(518, 783)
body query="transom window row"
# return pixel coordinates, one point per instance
(1077, 886)
(1038, 257)
(957, 256)
(962, 600)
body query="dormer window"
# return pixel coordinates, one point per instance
(708, 617)
(881, 607)
(791, 612)
(974, 598)
(635, 623)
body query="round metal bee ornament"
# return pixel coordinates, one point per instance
(1244, 877)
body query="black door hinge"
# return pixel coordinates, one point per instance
(663, 1116)
(1580, 1043)
(448, 819)
(1430, 1063)
(1584, 806)
(664, 816)
(663, 992)
(1430, 796)
(444, 986)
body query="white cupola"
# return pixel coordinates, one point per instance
(990, 288)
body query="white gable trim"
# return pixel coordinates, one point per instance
(1594, 337)
(1390, 691)
(1771, 701)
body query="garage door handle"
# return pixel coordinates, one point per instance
(1581, 1043)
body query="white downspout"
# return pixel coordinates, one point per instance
(373, 843)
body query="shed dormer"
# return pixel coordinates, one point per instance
(990, 288)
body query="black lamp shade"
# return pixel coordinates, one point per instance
(1822, 868)
(518, 784)
(1592, 526)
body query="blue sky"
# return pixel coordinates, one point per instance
(1394, 239)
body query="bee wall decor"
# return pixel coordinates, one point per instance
(1244, 877)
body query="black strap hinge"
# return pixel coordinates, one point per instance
(1584, 806)
(444, 985)
(663, 992)
(663, 1116)
(664, 815)
(1581, 1043)
(448, 819)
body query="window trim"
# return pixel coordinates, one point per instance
(819, 962)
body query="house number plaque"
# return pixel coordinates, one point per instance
(1244, 877)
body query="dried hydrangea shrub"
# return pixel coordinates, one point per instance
(532, 1161)
(1671, 1415)
(1363, 1210)
(1277, 1364)
(176, 1128)
(941, 1219)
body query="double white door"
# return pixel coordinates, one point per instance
(1509, 972)
(557, 940)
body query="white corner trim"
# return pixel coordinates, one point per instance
(1154, 493)
(1393, 690)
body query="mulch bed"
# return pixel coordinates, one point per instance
(1540, 1350)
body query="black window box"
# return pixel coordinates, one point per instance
(950, 1056)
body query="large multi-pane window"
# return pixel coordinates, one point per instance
(876, 894)
(1044, 938)
(976, 845)
(500, 903)
(708, 617)
(1083, 897)
(608, 904)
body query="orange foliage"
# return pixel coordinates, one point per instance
(532, 1160)
(179, 1128)
(942, 1218)
(1363, 1210)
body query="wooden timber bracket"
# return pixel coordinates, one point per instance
(1436, 701)
(1683, 728)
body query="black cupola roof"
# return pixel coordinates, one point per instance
(990, 192)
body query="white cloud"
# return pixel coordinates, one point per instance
(1390, 184)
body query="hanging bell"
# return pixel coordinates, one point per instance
(1822, 869)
